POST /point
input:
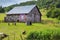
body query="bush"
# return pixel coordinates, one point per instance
(59, 17)
(54, 13)
(58, 5)
(44, 35)
(33, 35)
(48, 14)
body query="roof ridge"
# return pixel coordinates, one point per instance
(25, 5)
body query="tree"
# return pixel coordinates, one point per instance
(1, 9)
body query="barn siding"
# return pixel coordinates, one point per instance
(36, 17)
(12, 18)
(15, 17)
(22, 19)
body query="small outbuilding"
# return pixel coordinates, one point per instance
(23, 14)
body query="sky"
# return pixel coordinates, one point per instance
(5, 3)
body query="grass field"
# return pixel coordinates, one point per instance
(47, 23)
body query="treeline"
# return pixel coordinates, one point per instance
(2, 9)
(40, 3)
(54, 10)
(51, 5)
(6, 9)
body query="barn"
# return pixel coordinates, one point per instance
(23, 14)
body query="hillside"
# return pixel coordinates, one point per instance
(48, 4)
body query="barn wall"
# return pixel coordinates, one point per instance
(35, 15)
(16, 17)
(22, 18)
(11, 17)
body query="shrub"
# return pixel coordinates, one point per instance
(59, 17)
(54, 13)
(48, 14)
(44, 35)
(56, 35)
(58, 5)
(33, 35)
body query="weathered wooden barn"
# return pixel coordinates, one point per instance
(23, 14)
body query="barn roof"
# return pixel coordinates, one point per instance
(21, 9)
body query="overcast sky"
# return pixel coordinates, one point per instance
(10, 2)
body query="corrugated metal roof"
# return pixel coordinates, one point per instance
(21, 9)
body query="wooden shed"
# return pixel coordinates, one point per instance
(23, 14)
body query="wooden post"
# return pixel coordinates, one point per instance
(14, 23)
(8, 23)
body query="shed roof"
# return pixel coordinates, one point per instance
(21, 9)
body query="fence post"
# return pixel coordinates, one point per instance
(8, 23)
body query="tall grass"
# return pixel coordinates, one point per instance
(44, 35)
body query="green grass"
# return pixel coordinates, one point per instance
(47, 23)
(2, 15)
